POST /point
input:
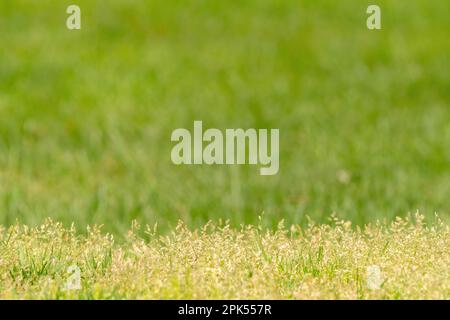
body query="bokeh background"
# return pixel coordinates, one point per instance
(86, 116)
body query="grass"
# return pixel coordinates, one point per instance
(86, 116)
(85, 124)
(220, 262)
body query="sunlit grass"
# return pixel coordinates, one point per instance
(219, 262)
(85, 124)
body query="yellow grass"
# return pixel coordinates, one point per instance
(325, 261)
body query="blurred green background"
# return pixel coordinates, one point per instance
(86, 116)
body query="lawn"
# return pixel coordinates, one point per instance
(86, 118)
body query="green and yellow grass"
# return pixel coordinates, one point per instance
(322, 261)
(85, 124)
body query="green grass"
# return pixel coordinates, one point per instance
(86, 116)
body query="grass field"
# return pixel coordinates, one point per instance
(218, 262)
(86, 118)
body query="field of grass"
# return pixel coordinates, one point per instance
(219, 262)
(86, 118)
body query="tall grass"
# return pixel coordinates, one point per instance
(321, 261)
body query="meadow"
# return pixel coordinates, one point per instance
(86, 118)
(320, 261)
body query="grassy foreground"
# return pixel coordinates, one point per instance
(321, 261)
